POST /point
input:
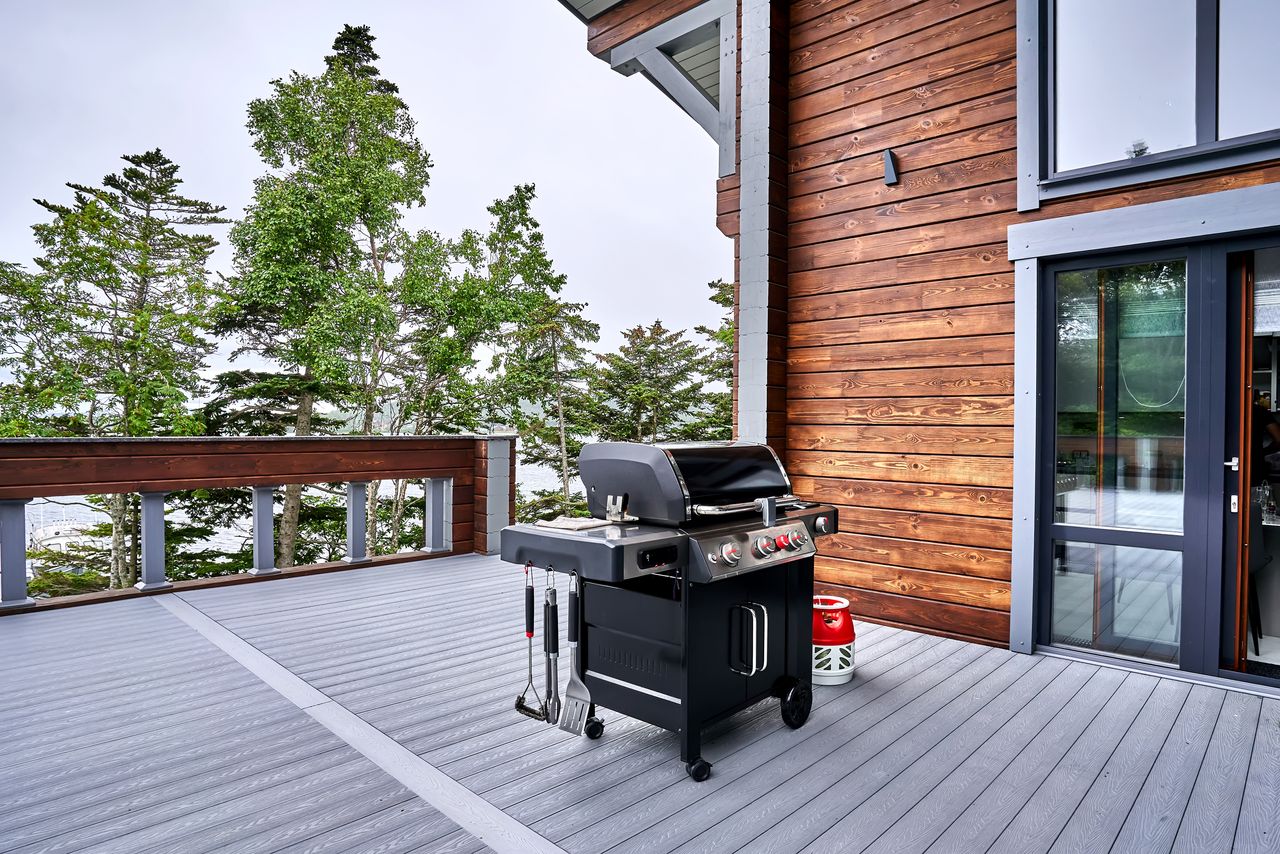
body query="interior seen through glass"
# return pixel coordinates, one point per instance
(1263, 566)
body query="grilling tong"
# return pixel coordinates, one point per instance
(548, 711)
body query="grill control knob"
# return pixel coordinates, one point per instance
(799, 537)
(821, 524)
(791, 540)
(783, 541)
(765, 546)
(730, 554)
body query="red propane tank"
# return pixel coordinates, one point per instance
(833, 641)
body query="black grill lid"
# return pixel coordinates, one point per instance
(663, 483)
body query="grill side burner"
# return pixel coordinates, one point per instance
(691, 610)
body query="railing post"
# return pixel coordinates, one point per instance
(13, 554)
(264, 545)
(153, 570)
(357, 521)
(438, 517)
(493, 491)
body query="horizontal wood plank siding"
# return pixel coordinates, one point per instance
(900, 406)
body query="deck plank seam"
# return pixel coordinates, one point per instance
(470, 811)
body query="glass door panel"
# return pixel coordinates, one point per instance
(1119, 445)
(1121, 396)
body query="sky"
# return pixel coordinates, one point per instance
(503, 91)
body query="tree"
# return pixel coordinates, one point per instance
(714, 420)
(311, 290)
(548, 370)
(108, 338)
(649, 389)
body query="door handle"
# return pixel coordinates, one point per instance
(1233, 464)
(755, 631)
(759, 618)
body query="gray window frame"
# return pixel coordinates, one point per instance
(1037, 180)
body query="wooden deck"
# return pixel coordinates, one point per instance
(181, 723)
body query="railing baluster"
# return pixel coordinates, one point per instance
(264, 545)
(438, 516)
(153, 569)
(13, 554)
(357, 521)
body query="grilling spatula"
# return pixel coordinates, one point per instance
(577, 699)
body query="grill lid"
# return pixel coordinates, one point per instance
(663, 484)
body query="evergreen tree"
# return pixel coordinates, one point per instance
(107, 339)
(649, 390)
(548, 369)
(714, 420)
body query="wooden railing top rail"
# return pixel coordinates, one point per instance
(39, 468)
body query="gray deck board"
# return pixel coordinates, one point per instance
(128, 731)
(1152, 822)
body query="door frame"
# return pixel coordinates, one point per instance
(1194, 541)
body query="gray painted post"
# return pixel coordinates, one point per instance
(753, 239)
(439, 514)
(13, 554)
(357, 519)
(264, 545)
(153, 577)
(497, 509)
(1026, 402)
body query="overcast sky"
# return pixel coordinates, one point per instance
(503, 91)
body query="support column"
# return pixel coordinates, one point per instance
(13, 554)
(153, 569)
(762, 240)
(264, 545)
(493, 491)
(357, 521)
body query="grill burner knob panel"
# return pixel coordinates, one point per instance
(730, 554)
(765, 546)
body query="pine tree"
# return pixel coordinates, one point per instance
(714, 420)
(548, 370)
(649, 390)
(109, 334)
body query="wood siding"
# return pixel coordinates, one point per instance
(900, 313)
(900, 303)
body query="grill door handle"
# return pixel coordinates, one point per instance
(755, 632)
(759, 619)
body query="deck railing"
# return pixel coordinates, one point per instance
(468, 481)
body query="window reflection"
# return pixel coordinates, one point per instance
(1120, 396)
(1118, 599)
(1248, 98)
(1124, 79)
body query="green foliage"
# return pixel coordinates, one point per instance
(649, 390)
(63, 583)
(548, 504)
(713, 420)
(107, 339)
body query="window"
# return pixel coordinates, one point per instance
(1125, 79)
(1248, 97)
(1140, 90)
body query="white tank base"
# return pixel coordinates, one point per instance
(832, 665)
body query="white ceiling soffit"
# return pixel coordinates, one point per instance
(588, 9)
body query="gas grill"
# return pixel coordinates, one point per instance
(695, 577)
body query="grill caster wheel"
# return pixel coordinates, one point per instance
(699, 770)
(796, 705)
(594, 728)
